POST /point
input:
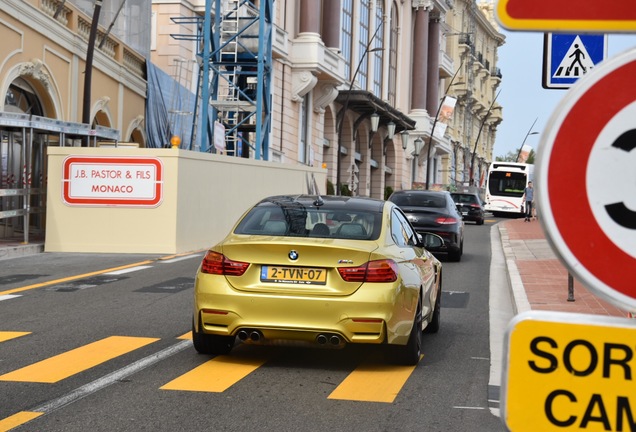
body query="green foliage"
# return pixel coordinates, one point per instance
(344, 190)
(388, 190)
(511, 156)
(331, 190)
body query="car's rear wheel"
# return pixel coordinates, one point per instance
(456, 255)
(211, 344)
(410, 353)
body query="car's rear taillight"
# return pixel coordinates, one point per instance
(373, 271)
(475, 206)
(217, 264)
(446, 220)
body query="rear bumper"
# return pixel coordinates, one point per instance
(374, 314)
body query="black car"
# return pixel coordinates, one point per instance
(470, 206)
(435, 212)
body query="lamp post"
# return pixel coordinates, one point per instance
(526, 137)
(483, 122)
(88, 72)
(439, 108)
(345, 105)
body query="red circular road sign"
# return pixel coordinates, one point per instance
(586, 182)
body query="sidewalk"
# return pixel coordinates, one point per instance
(538, 279)
(15, 247)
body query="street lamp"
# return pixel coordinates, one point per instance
(526, 137)
(345, 105)
(418, 144)
(405, 139)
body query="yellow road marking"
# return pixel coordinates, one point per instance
(71, 278)
(373, 383)
(17, 419)
(216, 375)
(64, 365)
(7, 335)
(186, 336)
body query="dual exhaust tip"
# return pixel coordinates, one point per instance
(322, 339)
(333, 339)
(252, 335)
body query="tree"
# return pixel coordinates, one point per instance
(511, 156)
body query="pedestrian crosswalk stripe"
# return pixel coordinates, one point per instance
(64, 365)
(17, 419)
(7, 335)
(373, 383)
(216, 375)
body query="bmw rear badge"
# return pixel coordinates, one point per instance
(293, 255)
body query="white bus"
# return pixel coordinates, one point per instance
(505, 185)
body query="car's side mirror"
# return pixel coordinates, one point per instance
(431, 241)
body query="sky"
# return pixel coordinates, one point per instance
(522, 96)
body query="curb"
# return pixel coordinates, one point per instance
(21, 250)
(517, 290)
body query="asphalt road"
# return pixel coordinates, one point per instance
(88, 343)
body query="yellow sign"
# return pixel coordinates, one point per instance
(566, 372)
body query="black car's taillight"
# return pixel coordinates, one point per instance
(372, 271)
(446, 220)
(218, 264)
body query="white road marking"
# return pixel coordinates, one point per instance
(172, 260)
(127, 270)
(111, 378)
(9, 297)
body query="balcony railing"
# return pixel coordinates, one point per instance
(79, 23)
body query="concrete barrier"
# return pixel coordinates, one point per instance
(197, 199)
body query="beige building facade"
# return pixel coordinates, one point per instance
(42, 68)
(344, 59)
(356, 88)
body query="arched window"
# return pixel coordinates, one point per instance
(21, 98)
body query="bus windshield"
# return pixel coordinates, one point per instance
(506, 183)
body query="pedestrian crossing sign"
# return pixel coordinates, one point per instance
(568, 57)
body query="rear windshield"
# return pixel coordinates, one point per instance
(316, 222)
(463, 198)
(419, 200)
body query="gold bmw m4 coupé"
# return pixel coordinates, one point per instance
(319, 270)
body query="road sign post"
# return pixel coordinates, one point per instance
(586, 180)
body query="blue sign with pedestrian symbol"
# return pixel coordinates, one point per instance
(568, 57)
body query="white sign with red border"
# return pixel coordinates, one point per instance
(112, 181)
(586, 183)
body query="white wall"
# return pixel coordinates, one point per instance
(203, 196)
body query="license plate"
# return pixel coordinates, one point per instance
(294, 275)
(464, 213)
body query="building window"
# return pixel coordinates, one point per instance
(21, 98)
(378, 56)
(393, 44)
(365, 22)
(347, 35)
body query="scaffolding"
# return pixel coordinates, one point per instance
(233, 113)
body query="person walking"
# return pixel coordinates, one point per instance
(528, 196)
